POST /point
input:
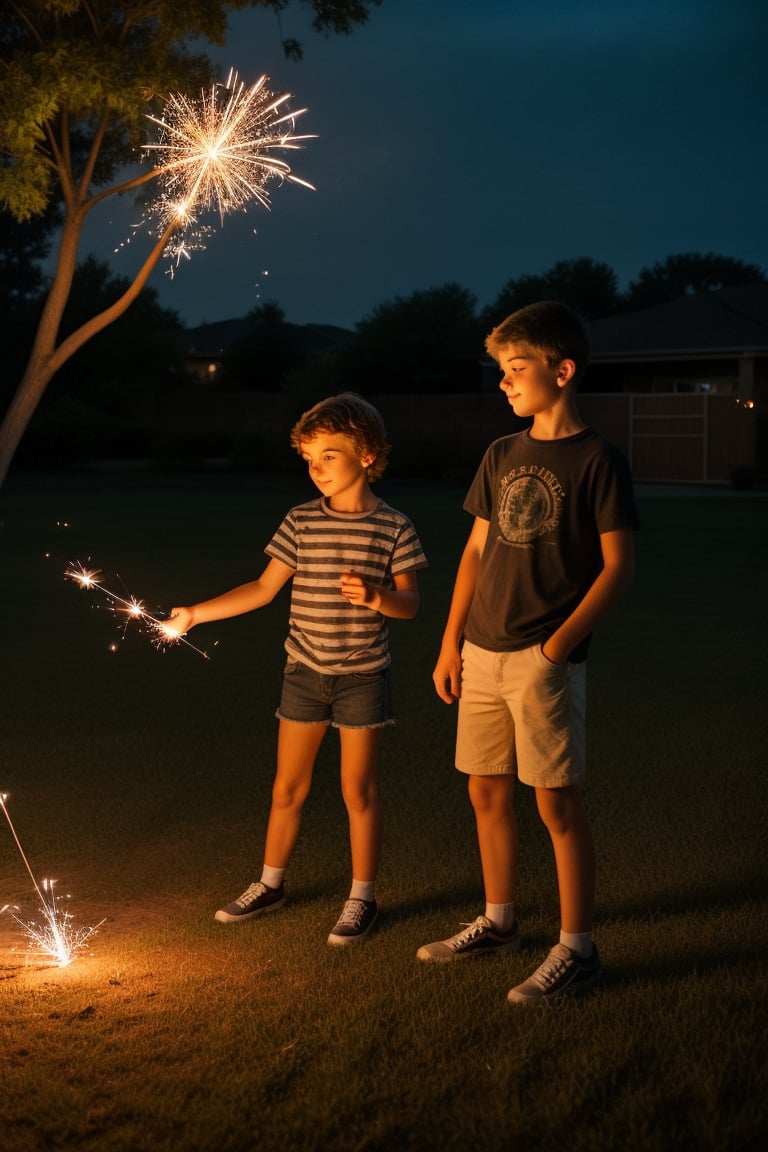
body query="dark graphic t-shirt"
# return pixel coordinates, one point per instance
(547, 501)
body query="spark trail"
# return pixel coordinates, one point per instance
(161, 632)
(56, 936)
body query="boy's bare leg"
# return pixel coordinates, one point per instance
(360, 788)
(360, 748)
(297, 748)
(573, 966)
(563, 813)
(492, 799)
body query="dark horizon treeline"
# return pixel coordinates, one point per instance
(427, 343)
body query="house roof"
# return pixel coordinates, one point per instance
(731, 321)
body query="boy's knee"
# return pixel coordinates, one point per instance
(560, 808)
(360, 796)
(489, 793)
(284, 796)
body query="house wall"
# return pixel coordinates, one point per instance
(719, 375)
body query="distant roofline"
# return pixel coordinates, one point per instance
(733, 352)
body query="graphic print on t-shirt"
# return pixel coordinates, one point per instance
(530, 499)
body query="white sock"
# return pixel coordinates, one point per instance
(362, 890)
(502, 916)
(272, 877)
(578, 942)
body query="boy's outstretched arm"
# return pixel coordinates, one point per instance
(447, 673)
(615, 578)
(399, 603)
(245, 598)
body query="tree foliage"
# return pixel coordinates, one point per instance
(686, 273)
(427, 342)
(23, 244)
(583, 283)
(77, 78)
(266, 352)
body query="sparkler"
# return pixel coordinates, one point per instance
(56, 937)
(161, 632)
(215, 153)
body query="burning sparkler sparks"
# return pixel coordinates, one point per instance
(215, 154)
(161, 631)
(56, 937)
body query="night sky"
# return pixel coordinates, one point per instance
(473, 141)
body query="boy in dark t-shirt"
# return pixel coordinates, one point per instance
(551, 551)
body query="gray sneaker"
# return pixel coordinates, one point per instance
(256, 899)
(356, 920)
(562, 971)
(479, 938)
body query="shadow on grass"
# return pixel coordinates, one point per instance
(466, 898)
(658, 970)
(732, 894)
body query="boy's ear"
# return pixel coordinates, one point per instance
(566, 371)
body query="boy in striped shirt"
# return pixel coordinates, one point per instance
(353, 562)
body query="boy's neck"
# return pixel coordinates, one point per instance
(557, 423)
(354, 502)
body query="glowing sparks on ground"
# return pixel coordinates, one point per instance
(161, 632)
(56, 936)
(215, 154)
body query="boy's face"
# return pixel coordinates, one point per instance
(334, 464)
(529, 383)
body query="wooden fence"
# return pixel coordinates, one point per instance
(682, 438)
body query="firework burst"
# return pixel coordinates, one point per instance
(55, 937)
(215, 154)
(161, 632)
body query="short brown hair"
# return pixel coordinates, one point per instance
(555, 330)
(352, 416)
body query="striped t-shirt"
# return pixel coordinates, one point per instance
(327, 632)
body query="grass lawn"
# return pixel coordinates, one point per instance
(140, 781)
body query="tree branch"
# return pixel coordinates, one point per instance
(91, 327)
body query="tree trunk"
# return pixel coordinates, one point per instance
(46, 357)
(20, 412)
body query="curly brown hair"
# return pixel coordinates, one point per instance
(352, 416)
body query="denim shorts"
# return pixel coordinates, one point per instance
(520, 713)
(352, 700)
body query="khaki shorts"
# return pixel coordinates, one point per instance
(520, 713)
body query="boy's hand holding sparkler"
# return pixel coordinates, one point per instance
(179, 622)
